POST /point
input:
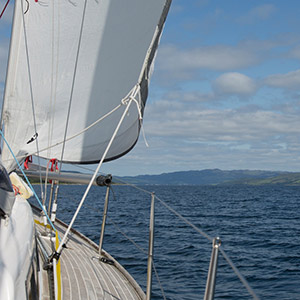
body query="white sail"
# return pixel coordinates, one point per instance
(90, 54)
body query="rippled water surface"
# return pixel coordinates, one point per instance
(259, 228)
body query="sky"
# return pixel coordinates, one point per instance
(225, 92)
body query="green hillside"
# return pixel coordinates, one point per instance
(218, 177)
(291, 179)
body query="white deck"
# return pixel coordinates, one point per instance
(85, 277)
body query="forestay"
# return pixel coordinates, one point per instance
(84, 55)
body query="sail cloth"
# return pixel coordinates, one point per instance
(90, 54)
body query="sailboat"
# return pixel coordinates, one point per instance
(76, 87)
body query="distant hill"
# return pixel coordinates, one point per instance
(291, 179)
(217, 177)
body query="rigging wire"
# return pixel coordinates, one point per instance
(94, 176)
(239, 275)
(31, 96)
(159, 282)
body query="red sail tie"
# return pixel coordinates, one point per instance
(4, 8)
(27, 160)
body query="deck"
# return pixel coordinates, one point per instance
(83, 275)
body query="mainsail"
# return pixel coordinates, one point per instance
(73, 66)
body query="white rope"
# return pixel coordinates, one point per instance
(83, 130)
(129, 97)
(139, 108)
(93, 178)
(143, 133)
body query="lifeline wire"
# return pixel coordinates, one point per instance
(239, 275)
(37, 198)
(185, 220)
(159, 283)
(237, 272)
(234, 268)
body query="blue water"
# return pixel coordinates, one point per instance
(259, 228)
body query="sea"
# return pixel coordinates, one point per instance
(259, 229)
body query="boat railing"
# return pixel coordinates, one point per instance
(104, 220)
(216, 246)
(151, 239)
(216, 249)
(212, 271)
(150, 249)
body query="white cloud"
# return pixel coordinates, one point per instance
(264, 11)
(295, 52)
(261, 12)
(289, 80)
(234, 84)
(183, 136)
(176, 8)
(192, 96)
(210, 57)
(194, 122)
(174, 63)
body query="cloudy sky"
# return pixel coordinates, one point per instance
(225, 92)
